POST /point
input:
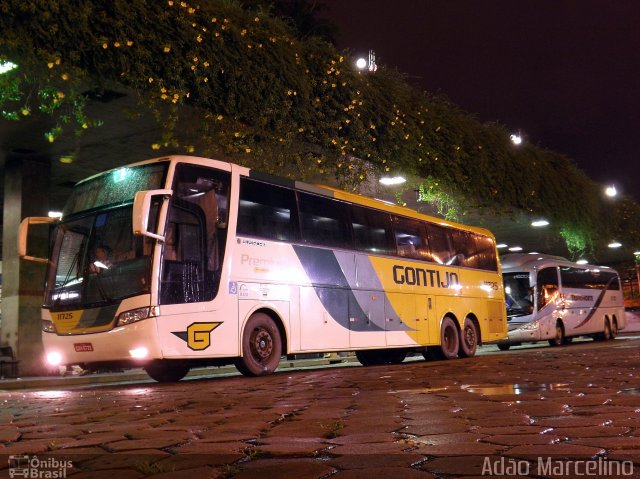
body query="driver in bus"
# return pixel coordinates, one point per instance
(102, 259)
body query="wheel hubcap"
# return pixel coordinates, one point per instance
(470, 337)
(262, 344)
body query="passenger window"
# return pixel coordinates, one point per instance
(372, 230)
(267, 211)
(323, 221)
(486, 253)
(464, 248)
(411, 238)
(474, 250)
(440, 247)
(547, 286)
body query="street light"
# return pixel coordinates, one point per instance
(516, 138)
(539, 223)
(611, 191)
(7, 67)
(392, 180)
(615, 244)
(368, 64)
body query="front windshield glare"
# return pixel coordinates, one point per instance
(518, 294)
(96, 260)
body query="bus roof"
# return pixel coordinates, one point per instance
(323, 190)
(528, 262)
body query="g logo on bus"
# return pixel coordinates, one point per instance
(198, 335)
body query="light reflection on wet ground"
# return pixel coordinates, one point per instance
(499, 389)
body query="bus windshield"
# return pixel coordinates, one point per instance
(518, 294)
(95, 259)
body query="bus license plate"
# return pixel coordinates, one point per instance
(83, 347)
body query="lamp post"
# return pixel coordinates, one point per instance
(368, 64)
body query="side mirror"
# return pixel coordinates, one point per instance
(141, 208)
(23, 236)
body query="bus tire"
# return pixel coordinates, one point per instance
(428, 353)
(370, 357)
(468, 339)
(261, 346)
(394, 356)
(558, 339)
(449, 339)
(504, 346)
(167, 370)
(614, 328)
(606, 334)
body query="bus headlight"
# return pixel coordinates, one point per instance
(54, 358)
(139, 353)
(48, 326)
(128, 317)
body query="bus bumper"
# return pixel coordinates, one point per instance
(136, 342)
(529, 332)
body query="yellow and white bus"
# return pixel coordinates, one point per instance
(182, 261)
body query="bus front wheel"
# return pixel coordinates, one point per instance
(449, 341)
(558, 339)
(167, 370)
(261, 346)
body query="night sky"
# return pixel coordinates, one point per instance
(564, 73)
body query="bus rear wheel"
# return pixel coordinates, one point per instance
(370, 357)
(376, 357)
(606, 334)
(469, 339)
(167, 370)
(261, 346)
(614, 328)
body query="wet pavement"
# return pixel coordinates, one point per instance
(538, 411)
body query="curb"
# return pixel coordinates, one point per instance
(139, 375)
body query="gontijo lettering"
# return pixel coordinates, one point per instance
(424, 277)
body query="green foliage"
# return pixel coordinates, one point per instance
(445, 204)
(577, 242)
(241, 84)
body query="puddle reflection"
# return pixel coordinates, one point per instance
(498, 389)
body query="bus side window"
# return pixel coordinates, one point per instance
(372, 230)
(324, 221)
(411, 238)
(441, 250)
(195, 234)
(267, 211)
(547, 286)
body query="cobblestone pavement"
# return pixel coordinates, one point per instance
(572, 411)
